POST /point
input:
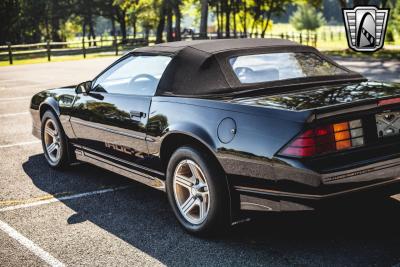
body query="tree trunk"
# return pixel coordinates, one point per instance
(227, 19)
(123, 30)
(204, 19)
(113, 33)
(178, 18)
(134, 26)
(234, 5)
(161, 24)
(55, 27)
(55, 22)
(253, 26)
(271, 9)
(146, 34)
(219, 26)
(221, 16)
(122, 23)
(84, 29)
(245, 18)
(255, 20)
(266, 25)
(88, 33)
(170, 36)
(47, 28)
(342, 3)
(91, 31)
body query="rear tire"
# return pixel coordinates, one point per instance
(197, 192)
(54, 142)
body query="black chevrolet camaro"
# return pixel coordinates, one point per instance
(227, 126)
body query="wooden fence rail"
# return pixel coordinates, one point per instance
(114, 44)
(77, 47)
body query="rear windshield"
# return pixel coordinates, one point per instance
(281, 66)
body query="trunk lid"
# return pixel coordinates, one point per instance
(333, 97)
(375, 104)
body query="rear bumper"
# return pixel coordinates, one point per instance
(381, 178)
(270, 200)
(382, 170)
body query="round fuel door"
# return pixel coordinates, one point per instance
(226, 130)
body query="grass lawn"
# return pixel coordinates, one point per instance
(329, 37)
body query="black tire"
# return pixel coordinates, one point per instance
(217, 218)
(62, 160)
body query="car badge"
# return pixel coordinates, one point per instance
(365, 27)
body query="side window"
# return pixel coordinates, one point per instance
(135, 75)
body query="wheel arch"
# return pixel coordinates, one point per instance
(177, 139)
(49, 104)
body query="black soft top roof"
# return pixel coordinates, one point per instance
(201, 67)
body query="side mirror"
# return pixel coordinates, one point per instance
(84, 88)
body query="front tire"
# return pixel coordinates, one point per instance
(53, 141)
(197, 192)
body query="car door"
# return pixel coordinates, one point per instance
(111, 119)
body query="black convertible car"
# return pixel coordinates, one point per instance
(226, 126)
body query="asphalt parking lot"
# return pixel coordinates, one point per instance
(87, 216)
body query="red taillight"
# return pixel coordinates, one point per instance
(389, 101)
(327, 138)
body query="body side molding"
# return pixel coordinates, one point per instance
(120, 169)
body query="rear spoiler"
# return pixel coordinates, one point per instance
(339, 109)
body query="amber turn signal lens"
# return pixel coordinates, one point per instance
(342, 135)
(343, 144)
(337, 127)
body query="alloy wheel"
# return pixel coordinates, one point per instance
(52, 140)
(191, 192)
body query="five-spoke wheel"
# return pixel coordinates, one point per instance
(197, 191)
(53, 141)
(191, 192)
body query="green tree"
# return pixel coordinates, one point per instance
(262, 12)
(307, 18)
(394, 21)
(169, 11)
(148, 17)
(56, 13)
(85, 12)
(21, 21)
(9, 21)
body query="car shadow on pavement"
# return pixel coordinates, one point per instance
(362, 234)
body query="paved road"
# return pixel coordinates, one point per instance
(86, 216)
(379, 70)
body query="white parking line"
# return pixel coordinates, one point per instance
(20, 144)
(15, 98)
(31, 246)
(13, 114)
(52, 200)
